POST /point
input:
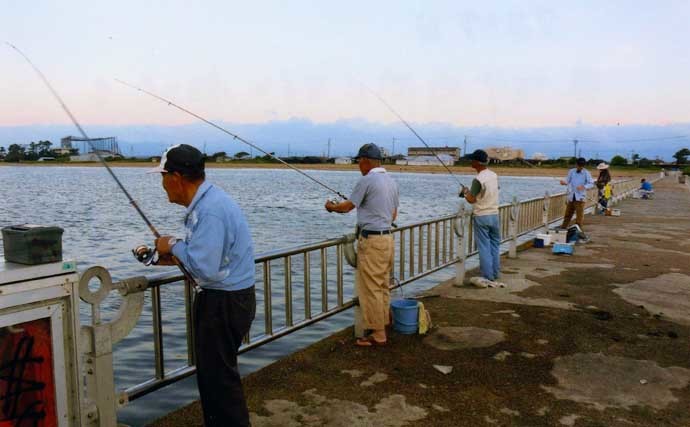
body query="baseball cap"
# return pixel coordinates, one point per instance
(479, 155)
(370, 151)
(581, 161)
(181, 158)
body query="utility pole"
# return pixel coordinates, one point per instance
(393, 152)
(329, 148)
(464, 149)
(575, 152)
(288, 150)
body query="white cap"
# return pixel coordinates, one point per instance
(164, 159)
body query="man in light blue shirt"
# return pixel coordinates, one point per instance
(219, 254)
(578, 181)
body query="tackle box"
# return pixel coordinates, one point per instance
(32, 244)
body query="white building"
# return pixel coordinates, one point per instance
(505, 153)
(343, 160)
(540, 157)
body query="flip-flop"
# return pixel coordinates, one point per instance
(369, 341)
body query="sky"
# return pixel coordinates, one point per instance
(505, 66)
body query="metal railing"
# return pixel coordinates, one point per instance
(299, 286)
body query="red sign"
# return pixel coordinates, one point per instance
(27, 389)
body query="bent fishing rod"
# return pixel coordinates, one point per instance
(146, 258)
(388, 106)
(234, 136)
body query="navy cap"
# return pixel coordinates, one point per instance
(181, 158)
(581, 161)
(370, 151)
(480, 156)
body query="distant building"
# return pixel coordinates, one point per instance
(540, 157)
(343, 161)
(500, 154)
(384, 152)
(432, 160)
(46, 159)
(453, 152)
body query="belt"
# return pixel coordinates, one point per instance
(367, 233)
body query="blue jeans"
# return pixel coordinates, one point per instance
(488, 236)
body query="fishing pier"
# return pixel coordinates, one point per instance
(307, 286)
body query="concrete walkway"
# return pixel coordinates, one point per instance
(596, 339)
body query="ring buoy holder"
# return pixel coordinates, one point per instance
(349, 249)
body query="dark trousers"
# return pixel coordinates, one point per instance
(221, 320)
(577, 208)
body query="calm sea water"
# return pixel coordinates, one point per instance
(283, 208)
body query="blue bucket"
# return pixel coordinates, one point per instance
(405, 316)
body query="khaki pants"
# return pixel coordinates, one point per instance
(374, 265)
(578, 208)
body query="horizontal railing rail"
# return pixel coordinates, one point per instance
(302, 285)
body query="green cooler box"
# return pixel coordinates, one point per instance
(32, 244)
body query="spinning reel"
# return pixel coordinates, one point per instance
(145, 255)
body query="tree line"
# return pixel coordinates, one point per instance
(32, 151)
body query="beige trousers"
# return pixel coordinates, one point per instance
(374, 265)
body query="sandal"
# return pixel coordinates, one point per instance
(369, 341)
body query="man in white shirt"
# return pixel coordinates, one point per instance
(483, 195)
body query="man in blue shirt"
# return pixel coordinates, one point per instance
(646, 190)
(578, 181)
(219, 254)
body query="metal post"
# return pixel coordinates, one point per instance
(512, 226)
(359, 318)
(459, 230)
(189, 314)
(545, 213)
(307, 286)
(157, 331)
(287, 267)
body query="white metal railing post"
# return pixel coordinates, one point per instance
(512, 227)
(546, 211)
(97, 340)
(459, 228)
(358, 318)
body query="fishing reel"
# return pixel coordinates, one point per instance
(461, 194)
(145, 255)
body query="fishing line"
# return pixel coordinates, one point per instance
(413, 131)
(234, 136)
(93, 148)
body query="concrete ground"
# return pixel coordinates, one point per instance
(600, 338)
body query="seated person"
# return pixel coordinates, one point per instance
(646, 189)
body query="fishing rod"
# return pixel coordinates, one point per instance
(144, 256)
(414, 132)
(234, 136)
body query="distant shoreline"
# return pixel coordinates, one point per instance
(460, 170)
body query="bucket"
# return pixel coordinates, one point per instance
(405, 316)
